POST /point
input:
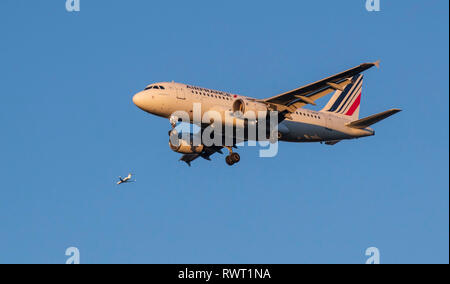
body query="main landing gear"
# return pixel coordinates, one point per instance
(233, 158)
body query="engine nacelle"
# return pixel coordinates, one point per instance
(244, 112)
(239, 106)
(248, 108)
(182, 146)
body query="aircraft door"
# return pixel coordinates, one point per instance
(328, 121)
(180, 94)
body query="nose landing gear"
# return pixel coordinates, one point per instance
(233, 158)
(173, 122)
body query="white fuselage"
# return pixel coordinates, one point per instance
(303, 125)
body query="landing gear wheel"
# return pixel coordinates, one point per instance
(235, 158)
(229, 161)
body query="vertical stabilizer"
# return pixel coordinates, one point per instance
(348, 101)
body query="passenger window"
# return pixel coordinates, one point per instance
(162, 88)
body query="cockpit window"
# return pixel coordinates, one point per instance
(154, 87)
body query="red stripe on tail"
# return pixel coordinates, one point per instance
(355, 106)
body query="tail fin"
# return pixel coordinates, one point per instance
(368, 121)
(347, 102)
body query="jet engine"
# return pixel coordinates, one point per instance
(239, 106)
(181, 145)
(244, 113)
(248, 105)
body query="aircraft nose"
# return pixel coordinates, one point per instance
(139, 99)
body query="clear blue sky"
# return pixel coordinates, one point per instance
(69, 128)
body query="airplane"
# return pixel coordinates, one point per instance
(125, 179)
(338, 120)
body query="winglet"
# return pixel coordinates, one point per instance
(377, 63)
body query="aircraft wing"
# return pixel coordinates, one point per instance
(289, 102)
(207, 153)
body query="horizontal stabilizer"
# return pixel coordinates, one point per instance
(368, 121)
